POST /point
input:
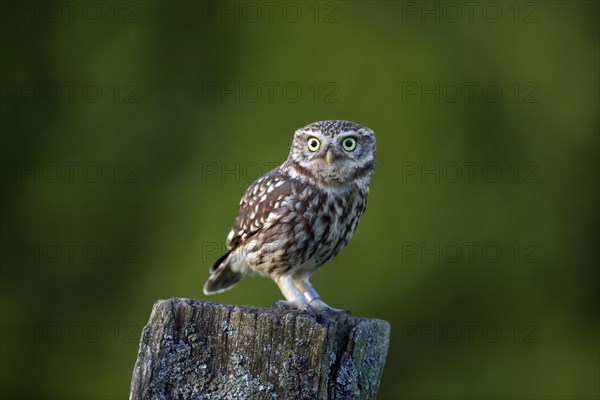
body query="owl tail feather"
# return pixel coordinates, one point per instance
(225, 273)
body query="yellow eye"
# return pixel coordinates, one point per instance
(313, 144)
(349, 144)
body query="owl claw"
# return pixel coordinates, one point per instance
(319, 305)
(318, 308)
(291, 306)
(333, 311)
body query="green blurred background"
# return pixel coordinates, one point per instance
(131, 130)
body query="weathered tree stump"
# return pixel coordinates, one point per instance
(195, 349)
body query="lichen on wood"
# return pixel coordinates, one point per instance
(196, 349)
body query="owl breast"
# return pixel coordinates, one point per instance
(287, 224)
(339, 216)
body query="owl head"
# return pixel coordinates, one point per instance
(333, 152)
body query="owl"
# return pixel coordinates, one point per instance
(300, 215)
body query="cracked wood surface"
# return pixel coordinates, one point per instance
(196, 349)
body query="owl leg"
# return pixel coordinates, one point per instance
(311, 295)
(294, 297)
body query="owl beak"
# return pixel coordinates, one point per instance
(329, 157)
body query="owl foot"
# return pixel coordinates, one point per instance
(284, 305)
(340, 311)
(333, 311)
(319, 305)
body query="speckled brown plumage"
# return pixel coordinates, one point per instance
(299, 216)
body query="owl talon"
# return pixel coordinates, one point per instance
(333, 311)
(336, 310)
(283, 305)
(320, 305)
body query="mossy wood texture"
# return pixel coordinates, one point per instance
(194, 349)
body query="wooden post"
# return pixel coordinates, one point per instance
(196, 349)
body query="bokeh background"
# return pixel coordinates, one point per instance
(130, 131)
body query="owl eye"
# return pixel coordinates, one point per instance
(349, 144)
(314, 144)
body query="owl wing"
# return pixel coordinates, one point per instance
(271, 204)
(263, 204)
